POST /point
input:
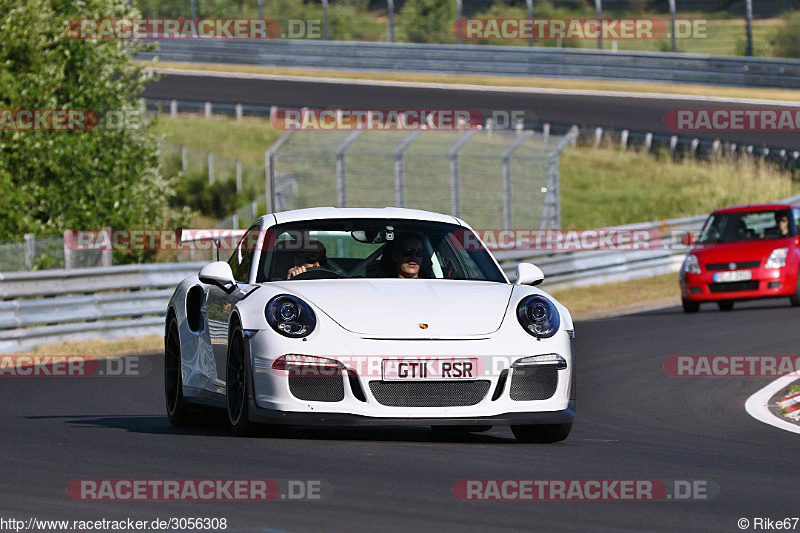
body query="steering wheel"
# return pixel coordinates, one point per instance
(316, 273)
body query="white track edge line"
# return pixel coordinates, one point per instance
(465, 87)
(756, 405)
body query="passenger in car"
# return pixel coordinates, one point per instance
(404, 257)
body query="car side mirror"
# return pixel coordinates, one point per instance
(529, 274)
(688, 239)
(218, 273)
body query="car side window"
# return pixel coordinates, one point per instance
(242, 257)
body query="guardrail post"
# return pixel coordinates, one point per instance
(341, 167)
(238, 177)
(399, 177)
(455, 178)
(211, 168)
(68, 261)
(30, 250)
(648, 142)
(239, 112)
(390, 21)
(765, 153)
(715, 147)
(325, 34)
(748, 13)
(173, 108)
(673, 144)
(207, 109)
(672, 23)
(695, 144)
(598, 136)
(546, 132)
(598, 6)
(624, 139)
(184, 159)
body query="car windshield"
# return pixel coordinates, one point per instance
(748, 226)
(374, 248)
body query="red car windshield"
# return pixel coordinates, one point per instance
(747, 226)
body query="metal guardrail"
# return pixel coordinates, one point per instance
(495, 60)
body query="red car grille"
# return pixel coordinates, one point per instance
(735, 286)
(727, 266)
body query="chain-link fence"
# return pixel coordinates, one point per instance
(46, 252)
(492, 179)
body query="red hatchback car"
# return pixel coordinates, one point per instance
(742, 253)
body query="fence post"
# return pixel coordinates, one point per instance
(672, 22)
(673, 144)
(261, 9)
(399, 178)
(598, 6)
(269, 168)
(529, 6)
(390, 21)
(235, 221)
(748, 13)
(68, 261)
(507, 177)
(106, 256)
(173, 108)
(184, 159)
(715, 147)
(211, 168)
(30, 250)
(624, 139)
(207, 109)
(239, 112)
(459, 14)
(238, 177)
(455, 178)
(648, 142)
(598, 136)
(194, 9)
(325, 34)
(341, 167)
(254, 208)
(695, 144)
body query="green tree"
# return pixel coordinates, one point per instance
(58, 180)
(786, 41)
(427, 21)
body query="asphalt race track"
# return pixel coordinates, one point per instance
(633, 422)
(620, 112)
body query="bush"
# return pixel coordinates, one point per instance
(427, 21)
(786, 42)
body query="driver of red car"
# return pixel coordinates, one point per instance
(313, 255)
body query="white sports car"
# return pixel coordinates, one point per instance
(369, 317)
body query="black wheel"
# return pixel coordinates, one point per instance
(177, 407)
(690, 306)
(795, 298)
(237, 386)
(542, 433)
(725, 306)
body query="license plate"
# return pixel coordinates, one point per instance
(419, 369)
(733, 275)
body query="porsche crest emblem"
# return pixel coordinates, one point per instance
(423, 326)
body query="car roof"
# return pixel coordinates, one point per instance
(318, 213)
(753, 207)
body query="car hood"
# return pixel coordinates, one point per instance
(736, 252)
(396, 308)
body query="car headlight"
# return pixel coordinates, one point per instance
(290, 316)
(777, 258)
(538, 316)
(691, 265)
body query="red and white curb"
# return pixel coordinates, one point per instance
(757, 405)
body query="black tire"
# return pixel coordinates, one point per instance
(725, 305)
(542, 433)
(460, 429)
(178, 409)
(795, 298)
(237, 386)
(689, 306)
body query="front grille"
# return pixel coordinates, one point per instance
(534, 383)
(429, 393)
(734, 286)
(317, 388)
(727, 266)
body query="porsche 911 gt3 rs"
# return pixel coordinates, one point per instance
(391, 316)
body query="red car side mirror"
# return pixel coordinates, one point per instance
(688, 239)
